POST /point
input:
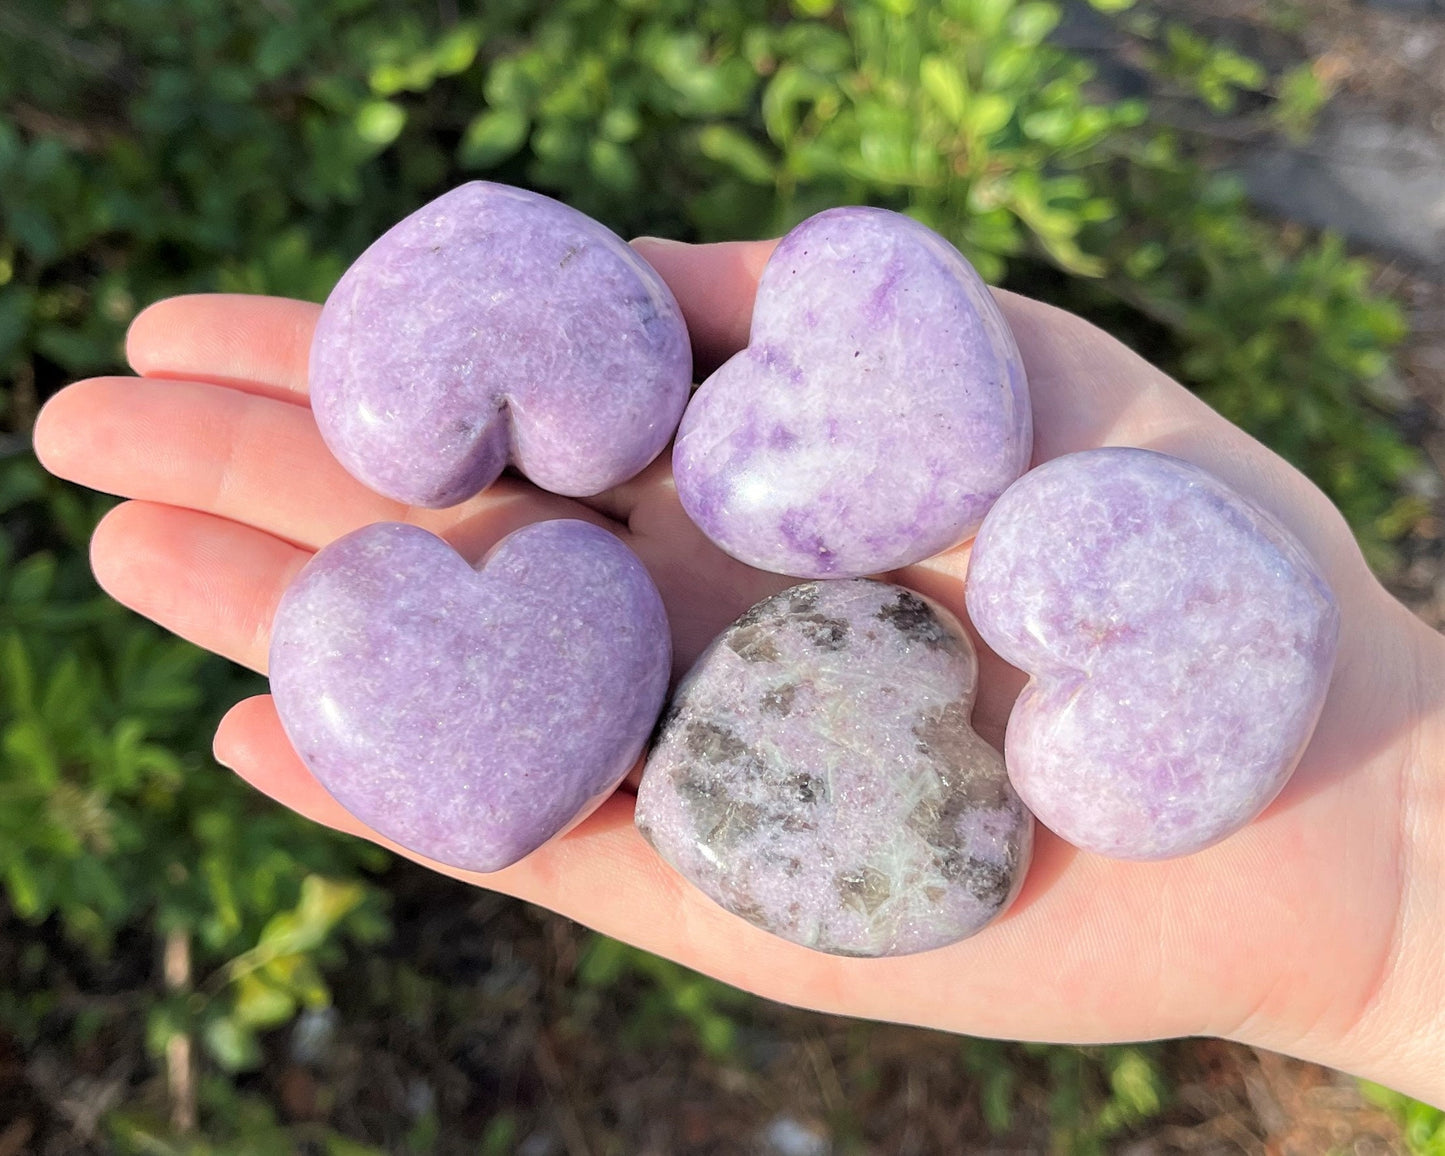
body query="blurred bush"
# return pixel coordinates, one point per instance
(114, 818)
(151, 147)
(1423, 1126)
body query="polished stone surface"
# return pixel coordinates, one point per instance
(817, 775)
(878, 411)
(1180, 642)
(495, 325)
(471, 714)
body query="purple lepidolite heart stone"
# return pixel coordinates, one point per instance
(471, 714)
(1180, 641)
(496, 325)
(877, 412)
(817, 774)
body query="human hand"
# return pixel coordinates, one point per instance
(1314, 931)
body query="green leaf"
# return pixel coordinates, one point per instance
(1301, 95)
(1050, 126)
(613, 165)
(728, 146)
(945, 84)
(262, 1005)
(500, 1136)
(19, 680)
(456, 51)
(1033, 21)
(23, 887)
(324, 903)
(379, 122)
(988, 16)
(1112, 5)
(604, 962)
(492, 137)
(32, 579)
(1135, 1084)
(231, 1044)
(987, 113)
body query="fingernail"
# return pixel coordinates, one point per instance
(665, 242)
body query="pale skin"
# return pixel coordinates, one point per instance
(1318, 930)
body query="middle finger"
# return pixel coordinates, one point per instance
(252, 459)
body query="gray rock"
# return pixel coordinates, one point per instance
(789, 1136)
(1408, 7)
(313, 1036)
(1377, 183)
(1087, 32)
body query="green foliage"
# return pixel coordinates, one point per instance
(1257, 316)
(246, 1125)
(1096, 1094)
(670, 994)
(243, 147)
(1210, 71)
(1423, 1126)
(1302, 93)
(113, 815)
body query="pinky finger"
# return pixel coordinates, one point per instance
(580, 873)
(213, 582)
(250, 742)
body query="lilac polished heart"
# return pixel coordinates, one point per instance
(471, 714)
(1180, 642)
(878, 411)
(817, 774)
(496, 325)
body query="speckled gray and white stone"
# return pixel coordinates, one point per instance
(497, 325)
(817, 774)
(1180, 642)
(471, 714)
(878, 411)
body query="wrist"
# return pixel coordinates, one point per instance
(1399, 1037)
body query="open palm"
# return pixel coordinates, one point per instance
(1287, 935)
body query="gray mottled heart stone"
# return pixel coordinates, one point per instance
(817, 774)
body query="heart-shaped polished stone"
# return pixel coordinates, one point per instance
(1180, 641)
(876, 414)
(817, 774)
(497, 325)
(471, 714)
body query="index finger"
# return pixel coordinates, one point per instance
(244, 341)
(715, 286)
